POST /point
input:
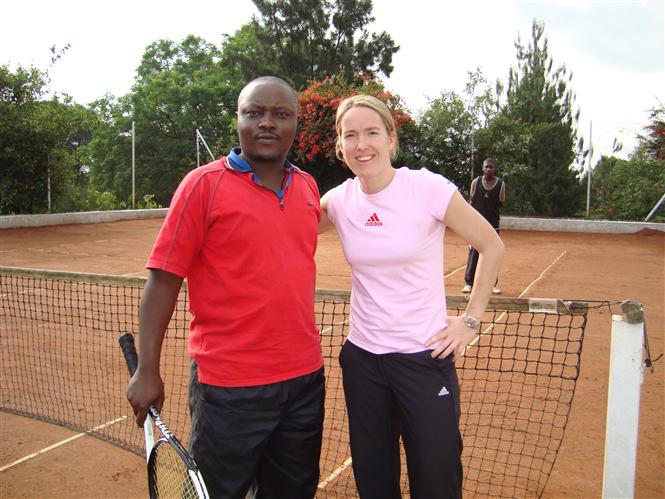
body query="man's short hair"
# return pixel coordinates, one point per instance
(490, 161)
(273, 79)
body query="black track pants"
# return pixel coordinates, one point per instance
(271, 433)
(412, 395)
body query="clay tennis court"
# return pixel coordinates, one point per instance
(538, 264)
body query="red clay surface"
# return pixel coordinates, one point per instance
(545, 264)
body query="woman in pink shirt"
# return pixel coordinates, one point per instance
(398, 361)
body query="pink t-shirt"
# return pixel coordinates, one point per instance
(393, 241)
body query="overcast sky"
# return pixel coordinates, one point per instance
(616, 49)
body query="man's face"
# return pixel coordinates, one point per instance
(489, 169)
(267, 120)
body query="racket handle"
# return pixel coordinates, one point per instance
(129, 351)
(131, 358)
(149, 437)
(253, 490)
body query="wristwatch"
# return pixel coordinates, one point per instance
(471, 322)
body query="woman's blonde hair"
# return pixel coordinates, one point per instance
(371, 103)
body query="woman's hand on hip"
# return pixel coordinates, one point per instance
(453, 339)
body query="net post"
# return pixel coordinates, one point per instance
(623, 401)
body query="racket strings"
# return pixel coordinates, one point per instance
(169, 476)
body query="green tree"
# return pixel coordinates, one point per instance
(179, 88)
(652, 142)
(109, 152)
(307, 40)
(447, 126)
(627, 189)
(39, 142)
(534, 134)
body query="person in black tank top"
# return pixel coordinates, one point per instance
(487, 195)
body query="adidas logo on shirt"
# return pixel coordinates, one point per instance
(443, 392)
(373, 221)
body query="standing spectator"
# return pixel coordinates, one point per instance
(397, 362)
(243, 230)
(487, 195)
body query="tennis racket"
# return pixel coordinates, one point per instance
(172, 472)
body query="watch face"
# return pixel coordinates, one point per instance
(471, 322)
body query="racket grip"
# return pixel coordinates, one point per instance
(129, 351)
(149, 437)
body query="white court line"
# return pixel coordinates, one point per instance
(503, 314)
(330, 327)
(334, 474)
(36, 292)
(542, 273)
(51, 447)
(454, 271)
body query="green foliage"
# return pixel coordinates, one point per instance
(108, 154)
(308, 40)
(533, 135)
(447, 126)
(314, 148)
(149, 202)
(89, 199)
(39, 143)
(652, 142)
(179, 88)
(445, 139)
(627, 189)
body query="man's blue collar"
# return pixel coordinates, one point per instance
(239, 163)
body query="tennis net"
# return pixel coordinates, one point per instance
(60, 363)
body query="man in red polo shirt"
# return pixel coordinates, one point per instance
(243, 231)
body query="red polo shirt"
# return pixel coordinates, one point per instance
(248, 256)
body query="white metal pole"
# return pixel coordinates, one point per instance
(48, 183)
(205, 144)
(655, 208)
(588, 177)
(133, 167)
(471, 172)
(623, 402)
(198, 152)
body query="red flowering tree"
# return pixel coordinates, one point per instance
(314, 147)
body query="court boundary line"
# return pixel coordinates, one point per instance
(503, 314)
(543, 273)
(336, 472)
(324, 483)
(454, 271)
(330, 328)
(62, 442)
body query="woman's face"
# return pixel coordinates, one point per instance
(365, 142)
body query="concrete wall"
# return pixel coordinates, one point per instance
(514, 223)
(578, 225)
(84, 217)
